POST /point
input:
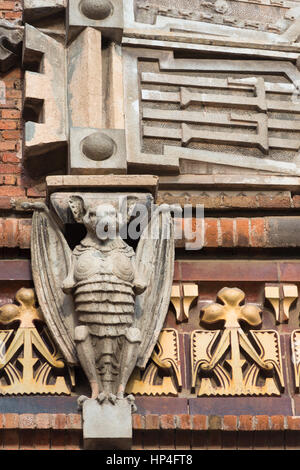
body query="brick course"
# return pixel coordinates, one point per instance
(219, 232)
(64, 431)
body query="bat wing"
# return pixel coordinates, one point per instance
(155, 258)
(51, 261)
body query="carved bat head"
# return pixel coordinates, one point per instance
(103, 220)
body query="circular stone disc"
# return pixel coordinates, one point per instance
(96, 9)
(98, 146)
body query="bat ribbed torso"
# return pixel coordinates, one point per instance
(104, 296)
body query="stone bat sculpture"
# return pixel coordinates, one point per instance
(104, 303)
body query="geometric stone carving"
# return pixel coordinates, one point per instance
(281, 297)
(11, 37)
(211, 113)
(30, 361)
(230, 361)
(162, 375)
(182, 298)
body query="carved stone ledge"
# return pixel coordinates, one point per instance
(118, 182)
(36, 9)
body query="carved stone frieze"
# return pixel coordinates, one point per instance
(225, 199)
(30, 361)
(162, 375)
(230, 361)
(265, 21)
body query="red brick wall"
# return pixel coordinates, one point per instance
(10, 139)
(166, 432)
(200, 432)
(11, 9)
(151, 431)
(14, 182)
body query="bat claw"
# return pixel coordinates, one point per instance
(131, 401)
(81, 400)
(112, 398)
(101, 397)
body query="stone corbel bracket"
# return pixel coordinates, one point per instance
(11, 37)
(74, 88)
(181, 298)
(281, 297)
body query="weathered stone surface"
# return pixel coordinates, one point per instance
(113, 99)
(228, 200)
(107, 426)
(246, 182)
(283, 231)
(85, 80)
